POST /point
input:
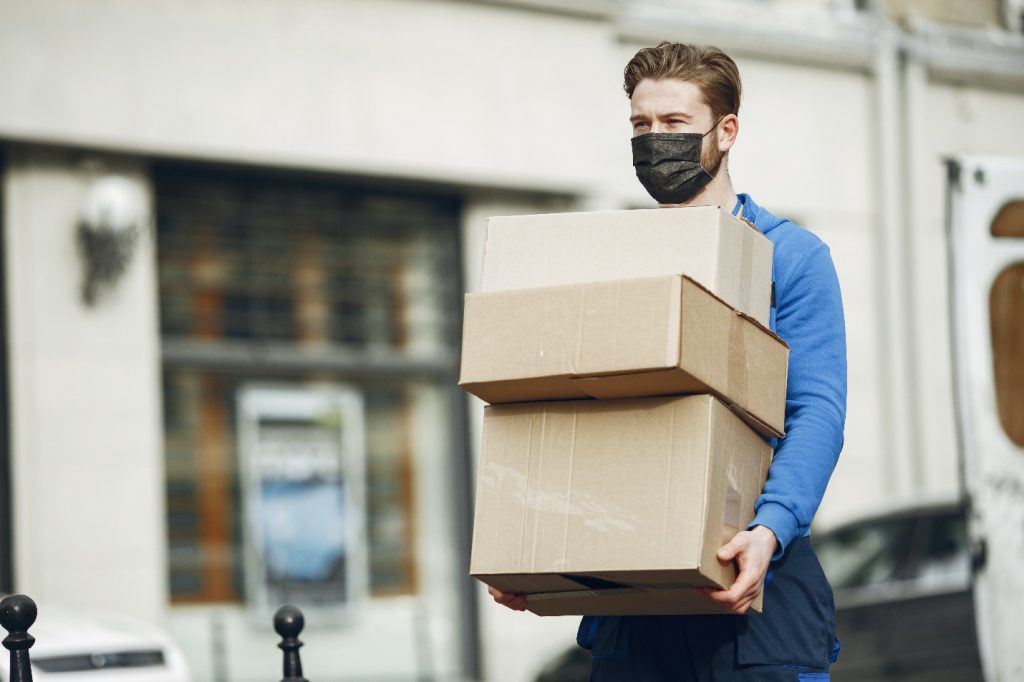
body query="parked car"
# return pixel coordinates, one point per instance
(904, 609)
(74, 646)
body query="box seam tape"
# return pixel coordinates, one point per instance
(668, 491)
(526, 497)
(568, 489)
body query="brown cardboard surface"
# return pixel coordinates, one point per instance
(595, 496)
(728, 256)
(619, 339)
(628, 601)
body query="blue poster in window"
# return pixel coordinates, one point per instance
(302, 453)
(304, 538)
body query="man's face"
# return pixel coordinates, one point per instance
(675, 106)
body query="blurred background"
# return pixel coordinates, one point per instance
(235, 240)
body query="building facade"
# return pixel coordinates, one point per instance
(305, 187)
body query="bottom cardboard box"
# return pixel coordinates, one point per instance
(611, 507)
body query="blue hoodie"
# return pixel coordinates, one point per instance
(807, 312)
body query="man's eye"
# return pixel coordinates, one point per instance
(639, 125)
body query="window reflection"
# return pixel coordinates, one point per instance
(1009, 221)
(1006, 311)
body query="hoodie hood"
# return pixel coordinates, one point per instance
(762, 219)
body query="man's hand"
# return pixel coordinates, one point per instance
(516, 602)
(752, 551)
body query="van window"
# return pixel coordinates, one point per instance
(1009, 222)
(870, 553)
(945, 561)
(1006, 311)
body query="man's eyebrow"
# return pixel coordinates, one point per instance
(673, 114)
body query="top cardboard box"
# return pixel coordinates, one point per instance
(728, 256)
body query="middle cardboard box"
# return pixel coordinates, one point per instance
(623, 338)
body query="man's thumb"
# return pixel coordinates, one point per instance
(729, 550)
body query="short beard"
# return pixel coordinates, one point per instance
(711, 157)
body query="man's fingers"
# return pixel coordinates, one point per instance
(748, 550)
(745, 582)
(741, 607)
(746, 587)
(736, 602)
(516, 602)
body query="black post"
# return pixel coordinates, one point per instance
(17, 613)
(288, 622)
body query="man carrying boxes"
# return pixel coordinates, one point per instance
(625, 473)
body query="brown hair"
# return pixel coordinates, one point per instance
(713, 71)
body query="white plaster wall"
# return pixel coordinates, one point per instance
(808, 155)
(89, 523)
(445, 90)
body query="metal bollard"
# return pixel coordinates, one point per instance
(17, 613)
(288, 622)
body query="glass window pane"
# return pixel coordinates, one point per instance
(866, 554)
(945, 562)
(1009, 222)
(1006, 308)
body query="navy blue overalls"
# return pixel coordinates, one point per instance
(792, 641)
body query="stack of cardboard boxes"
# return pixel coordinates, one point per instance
(632, 382)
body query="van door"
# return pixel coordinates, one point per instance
(986, 243)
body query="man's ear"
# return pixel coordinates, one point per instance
(728, 129)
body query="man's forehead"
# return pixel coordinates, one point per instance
(668, 95)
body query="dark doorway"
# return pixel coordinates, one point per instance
(6, 539)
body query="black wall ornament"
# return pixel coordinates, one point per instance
(108, 232)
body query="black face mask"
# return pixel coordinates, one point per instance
(668, 165)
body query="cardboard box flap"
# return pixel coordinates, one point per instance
(526, 583)
(539, 583)
(629, 601)
(750, 318)
(759, 425)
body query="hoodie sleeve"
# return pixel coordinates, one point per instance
(809, 317)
